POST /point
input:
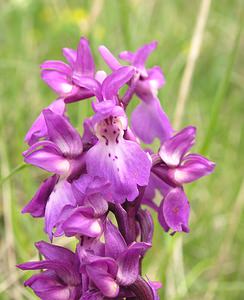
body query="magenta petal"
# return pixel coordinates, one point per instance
(103, 281)
(70, 55)
(88, 83)
(173, 150)
(77, 94)
(141, 56)
(115, 81)
(48, 158)
(88, 138)
(155, 183)
(84, 64)
(100, 76)
(62, 133)
(125, 165)
(58, 66)
(174, 211)
(155, 122)
(59, 82)
(82, 222)
(147, 88)
(127, 56)
(36, 207)
(92, 192)
(108, 57)
(92, 295)
(105, 109)
(48, 286)
(48, 161)
(128, 263)
(193, 167)
(114, 241)
(63, 271)
(91, 185)
(54, 252)
(39, 128)
(59, 198)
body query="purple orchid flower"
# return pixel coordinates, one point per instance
(39, 129)
(172, 169)
(179, 167)
(113, 265)
(145, 84)
(174, 211)
(61, 279)
(62, 152)
(88, 216)
(67, 79)
(62, 155)
(122, 162)
(105, 172)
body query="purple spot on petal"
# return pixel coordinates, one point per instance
(105, 139)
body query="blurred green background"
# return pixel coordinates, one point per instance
(206, 264)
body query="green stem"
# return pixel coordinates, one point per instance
(13, 172)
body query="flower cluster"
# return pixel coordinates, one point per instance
(102, 181)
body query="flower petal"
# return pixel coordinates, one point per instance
(108, 57)
(114, 241)
(125, 165)
(174, 211)
(39, 129)
(70, 55)
(88, 83)
(84, 64)
(56, 65)
(62, 133)
(141, 56)
(193, 167)
(147, 88)
(48, 286)
(59, 198)
(82, 222)
(103, 281)
(127, 56)
(48, 157)
(155, 122)
(36, 207)
(59, 82)
(54, 252)
(173, 150)
(128, 263)
(155, 183)
(115, 81)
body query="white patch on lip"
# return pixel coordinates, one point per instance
(63, 166)
(66, 88)
(154, 86)
(96, 228)
(171, 159)
(180, 176)
(112, 288)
